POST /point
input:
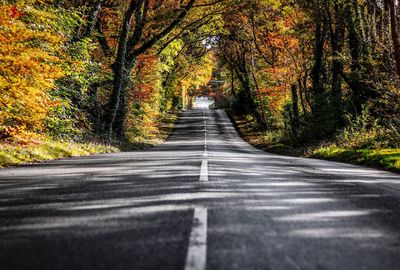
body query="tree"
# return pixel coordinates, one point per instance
(130, 46)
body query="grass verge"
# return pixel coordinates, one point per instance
(275, 142)
(158, 135)
(46, 149)
(11, 155)
(378, 158)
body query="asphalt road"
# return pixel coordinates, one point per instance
(203, 200)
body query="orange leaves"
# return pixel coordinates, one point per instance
(146, 64)
(142, 92)
(145, 97)
(276, 40)
(146, 70)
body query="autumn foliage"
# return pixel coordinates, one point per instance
(57, 63)
(29, 64)
(110, 70)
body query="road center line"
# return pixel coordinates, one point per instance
(204, 171)
(197, 251)
(204, 162)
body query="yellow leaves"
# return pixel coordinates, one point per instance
(7, 131)
(28, 69)
(200, 72)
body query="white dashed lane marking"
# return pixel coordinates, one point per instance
(196, 258)
(204, 171)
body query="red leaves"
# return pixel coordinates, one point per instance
(15, 13)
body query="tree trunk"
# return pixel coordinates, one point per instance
(119, 126)
(395, 34)
(105, 47)
(244, 78)
(92, 20)
(295, 111)
(317, 70)
(120, 72)
(337, 43)
(354, 80)
(302, 101)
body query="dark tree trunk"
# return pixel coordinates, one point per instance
(105, 47)
(354, 79)
(244, 78)
(302, 101)
(233, 82)
(261, 100)
(122, 112)
(337, 43)
(120, 72)
(395, 34)
(318, 66)
(354, 42)
(319, 99)
(295, 111)
(92, 19)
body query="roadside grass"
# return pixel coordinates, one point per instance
(43, 149)
(354, 149)
(157, 135)
(379, 158)
(252, 133)
(267, 140)
(11, 155)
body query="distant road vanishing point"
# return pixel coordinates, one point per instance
(205, 199)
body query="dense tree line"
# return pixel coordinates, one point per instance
(314, 67)
(99, 68)
(111, 68)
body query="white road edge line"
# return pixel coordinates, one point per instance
(196, 258)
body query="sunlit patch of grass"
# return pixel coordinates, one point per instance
(249, 129)
(379, 158)
(357, 147)
(47, 150)
(41, 149)
(157, 135)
